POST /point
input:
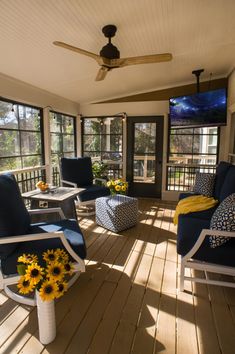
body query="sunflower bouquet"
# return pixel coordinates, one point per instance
(117, 186)
(49, 280)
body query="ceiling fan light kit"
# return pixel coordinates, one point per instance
(109, 57)
(109, 51)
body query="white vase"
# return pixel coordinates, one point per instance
(46, 319)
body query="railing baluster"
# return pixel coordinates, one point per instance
(181, 177)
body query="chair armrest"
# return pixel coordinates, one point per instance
(69, 183)
(31, 237)
(205, 233)
(45, 235)
(47, 211)
(103, 180)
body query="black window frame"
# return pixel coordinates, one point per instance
(192, 153)
(62, 152)
(21, 156)
(115, 170)
(173, 167)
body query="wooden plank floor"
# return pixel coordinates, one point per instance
(127, 300)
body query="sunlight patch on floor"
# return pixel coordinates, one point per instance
(3, 298)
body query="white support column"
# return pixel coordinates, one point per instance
(47, 143)
(164, 157)
(124, 148)
(79, 135)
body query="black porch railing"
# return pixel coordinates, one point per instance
(28, 177)
(182, 177)
(55, 176)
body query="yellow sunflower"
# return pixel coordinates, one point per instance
(69, 268)
(117, 188)
(55, 271)
(50, 256)
(24, 285)
(109, 183)
(123, 188)
(63, 257)
(34, 273)
(48, 290)
(28, 258)
(62, 287)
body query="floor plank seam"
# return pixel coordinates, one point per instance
(90, 306)
(159, 303)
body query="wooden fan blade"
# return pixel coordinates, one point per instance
(102, 73)
(145, 59)
(98, 58)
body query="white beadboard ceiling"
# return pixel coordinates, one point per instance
(199, 34)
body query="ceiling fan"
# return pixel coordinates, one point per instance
(109, 57)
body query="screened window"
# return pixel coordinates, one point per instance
(102, 141)
(62, 129)
(20, 135)
(194, 146)
(191, 150)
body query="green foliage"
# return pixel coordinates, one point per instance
(99, 169)
(24, 142)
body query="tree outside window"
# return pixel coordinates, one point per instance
(20, 136)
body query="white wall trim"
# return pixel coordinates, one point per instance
(79, 135)
(47, 143)
(22, 92)
(164, 153)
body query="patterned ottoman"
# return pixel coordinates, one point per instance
(116, 213)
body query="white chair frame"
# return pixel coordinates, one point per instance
(187, 261)
(6, 281)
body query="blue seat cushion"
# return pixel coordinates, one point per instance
(223, 255)
(203, 214)
(189, 229)
(93, 192)
(186, 194)
(14, 217)
(72, 233)
(77, 170)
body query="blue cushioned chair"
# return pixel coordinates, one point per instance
(18, 236)
(194, 231)
(77, 172)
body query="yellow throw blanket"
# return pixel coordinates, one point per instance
(193, 203)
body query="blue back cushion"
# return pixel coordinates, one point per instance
(77, 170)
(14, 217)
(228, 185)
(221, 172)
